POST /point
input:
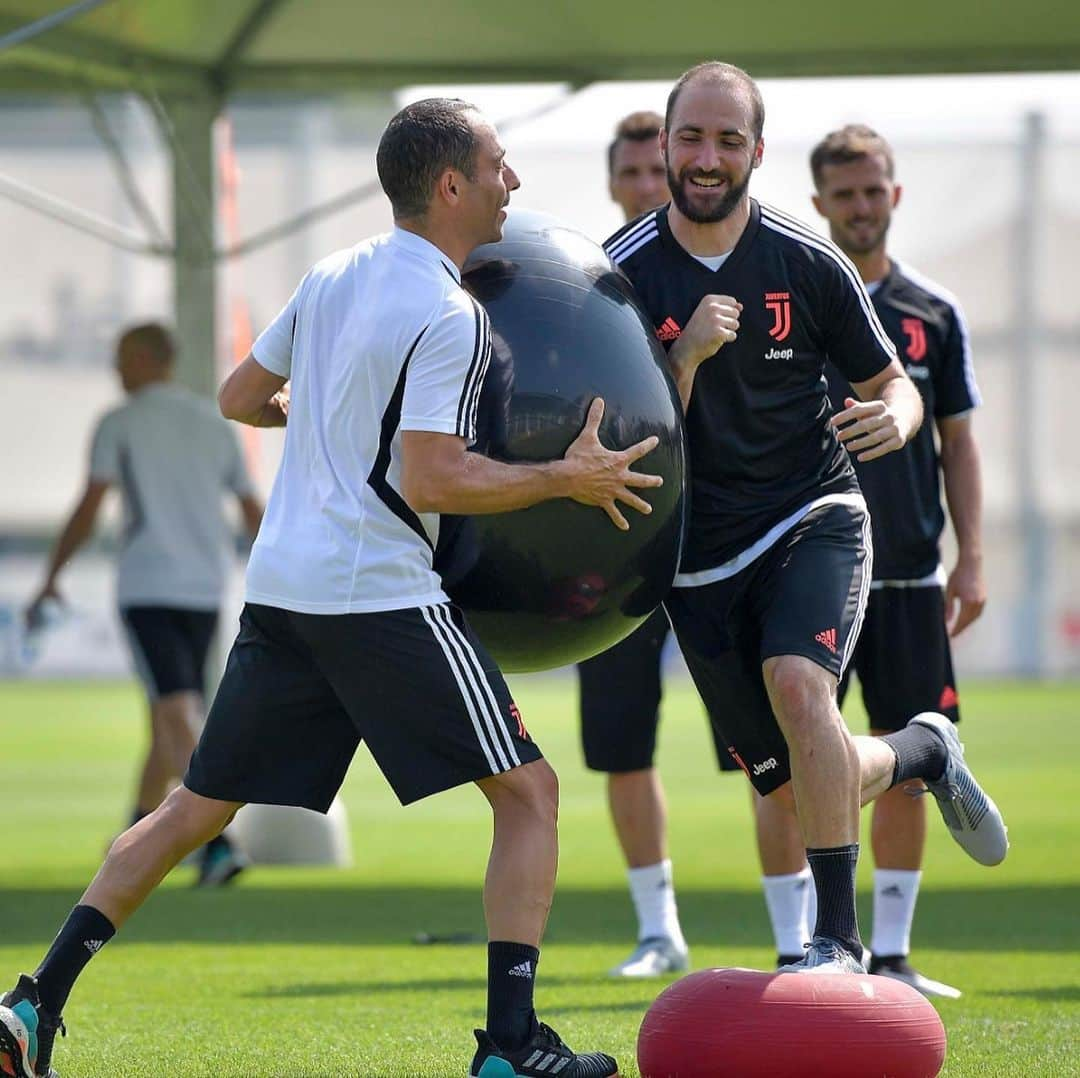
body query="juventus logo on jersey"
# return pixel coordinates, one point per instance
(779, 303)
(915, 332)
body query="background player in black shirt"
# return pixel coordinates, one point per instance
(903, 657)
(621, 687)
(773, 581)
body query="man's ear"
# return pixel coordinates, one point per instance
(759, 153)
(448, 186)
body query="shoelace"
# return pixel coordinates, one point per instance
(551, 1037)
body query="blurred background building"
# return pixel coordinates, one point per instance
(991, 210)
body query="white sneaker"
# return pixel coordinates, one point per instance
(900, 969)
(825, 955)
(654, 957)
(971, 817)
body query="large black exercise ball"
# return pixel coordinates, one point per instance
(558, 582)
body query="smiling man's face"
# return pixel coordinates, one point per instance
(711, 149)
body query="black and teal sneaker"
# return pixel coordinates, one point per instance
(220, 863)
(544, 1054)
(27, 1032)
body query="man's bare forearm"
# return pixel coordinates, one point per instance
(274, 413)
(482, 485)
(962, 472)
(75, 533)
(905, 402)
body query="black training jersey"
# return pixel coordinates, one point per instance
(903, 489)
(761, 446)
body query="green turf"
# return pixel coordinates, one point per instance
(305, 972)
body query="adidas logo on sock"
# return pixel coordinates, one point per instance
(93, 946)
(524, 970)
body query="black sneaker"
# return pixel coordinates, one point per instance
(788, 960)
(899, 968)
(27, 1032)
(542, 1055)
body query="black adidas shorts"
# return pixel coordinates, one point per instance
(804, 596)
(169, 647)
(301, 691)
(903, 658)
(620, 702)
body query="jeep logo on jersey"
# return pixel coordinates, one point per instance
(779, 303)
(915, 332)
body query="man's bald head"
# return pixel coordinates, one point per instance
(715, 71)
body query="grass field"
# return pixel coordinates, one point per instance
(305, 972)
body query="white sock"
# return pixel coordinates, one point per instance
(787, 898)
(895, 892)
(653, 892)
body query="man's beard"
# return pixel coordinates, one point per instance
(849, 245)
(719, 211)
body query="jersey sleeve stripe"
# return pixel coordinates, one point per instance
(475, 404)
(461, 423)
(927, 284)
(627, 234)
(377, 479)
(629, 230)
(642, 241)
(796, 230)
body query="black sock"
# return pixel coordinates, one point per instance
(511, 974)
(834, 878)
(920, 754)
(85, 932)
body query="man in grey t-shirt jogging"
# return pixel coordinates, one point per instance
(173, 457)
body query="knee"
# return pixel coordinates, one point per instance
(531, 790)
(801, 694)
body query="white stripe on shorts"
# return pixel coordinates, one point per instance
(475, 703)
(864, 592)
(474, 668)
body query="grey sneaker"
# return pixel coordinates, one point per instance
(900, 969)
(654, 957)
(825, 955)
(971, 817)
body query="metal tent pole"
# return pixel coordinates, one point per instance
(188, 124)
(1033, 460)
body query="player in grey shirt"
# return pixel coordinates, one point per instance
(173, 458)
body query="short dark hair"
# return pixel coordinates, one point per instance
(717, 71)
(151, 337)
(854, 142)
(419, 144)
(637, 127)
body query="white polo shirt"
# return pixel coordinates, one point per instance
(174, 458)
(377, 339)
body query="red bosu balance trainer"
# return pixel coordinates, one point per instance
(746, 1024)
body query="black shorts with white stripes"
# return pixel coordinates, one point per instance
(805, 595)
(301, 691)
(169, 647)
